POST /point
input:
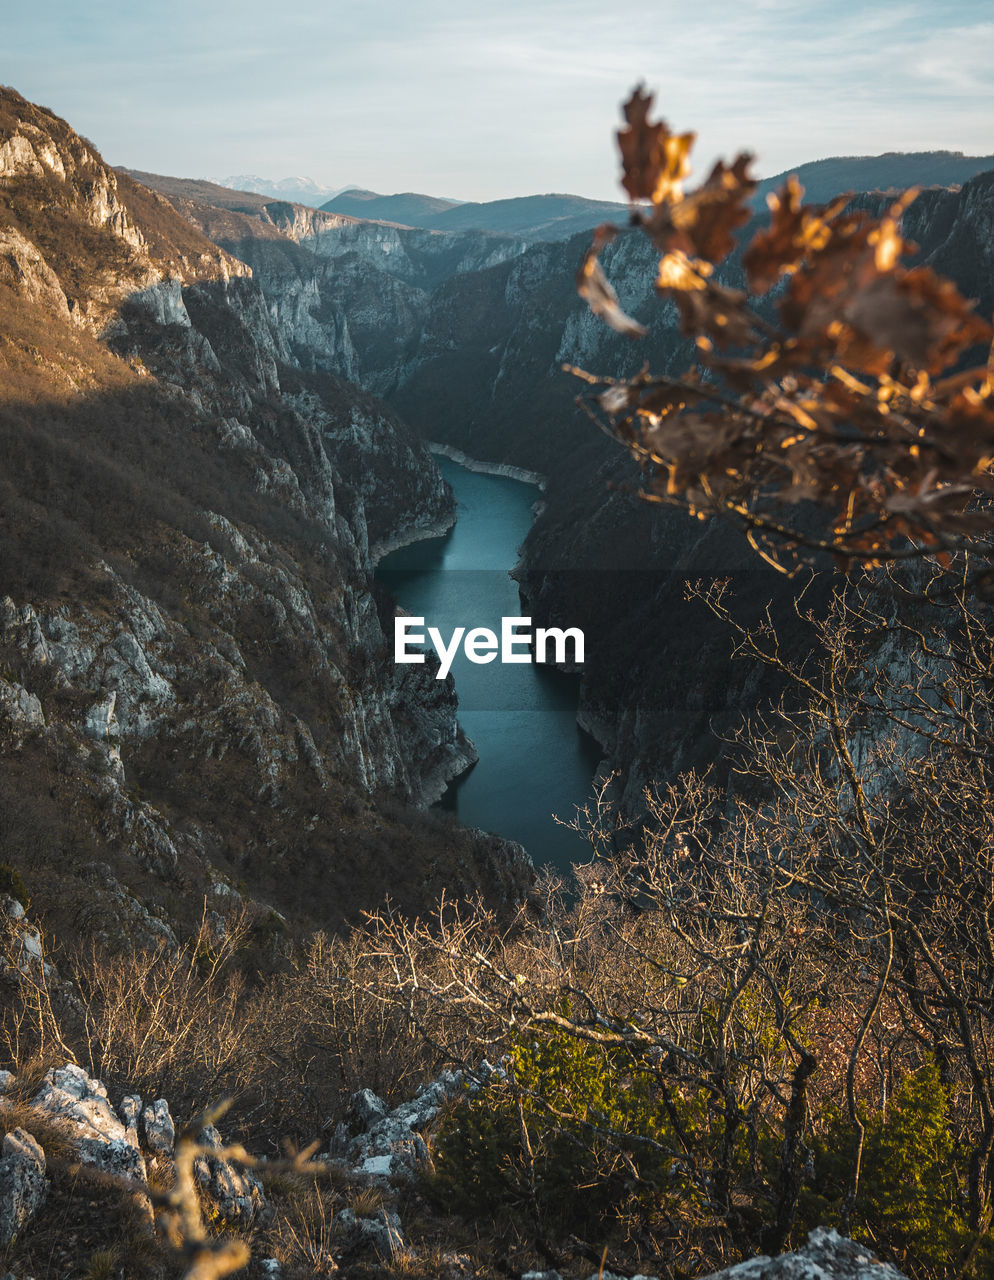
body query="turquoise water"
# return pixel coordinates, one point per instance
(534, 760)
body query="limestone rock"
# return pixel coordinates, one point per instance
(130, 1110)
(23, 950)
(158, 1128)
(365, 1109)
(26, 271)
(826, 1256)
(23, 709)
(237, 1193)
(391, 1143)
(22, 1183)
(99, 1137)
(383, 1232)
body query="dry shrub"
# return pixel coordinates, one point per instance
(365, 1039)
(168, 1022)
(31, 1015)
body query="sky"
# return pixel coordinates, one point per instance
(479, 101)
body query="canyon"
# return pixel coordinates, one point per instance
(198, 697)
(223, 868)
(467, 338)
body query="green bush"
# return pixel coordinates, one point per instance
(584, 1111)
(12, 882)
(910, 1203)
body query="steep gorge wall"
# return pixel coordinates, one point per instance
(195, 690)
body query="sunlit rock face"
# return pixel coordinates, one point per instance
(202, 645)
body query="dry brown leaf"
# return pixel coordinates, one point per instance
(593, 286)
(655, 161)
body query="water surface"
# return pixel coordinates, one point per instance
(535, 762)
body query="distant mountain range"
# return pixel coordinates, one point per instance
(296, 190)
(892, 171)
(555, 216)
(545, 217)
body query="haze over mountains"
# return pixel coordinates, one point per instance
(557, 216)
(298, 189)
(540, 217)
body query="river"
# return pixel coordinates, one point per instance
(535, 762)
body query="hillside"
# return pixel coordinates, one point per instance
(892, 172)
(195, 693)
(407, 207)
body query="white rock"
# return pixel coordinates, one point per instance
(383, 1232)
(22, 1183)
(237, 1193)
(19, 706)
(160, 1132)
(826, 1256)
(99, 1137)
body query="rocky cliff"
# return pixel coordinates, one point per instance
(195, 690)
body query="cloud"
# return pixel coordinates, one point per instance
(475, 100)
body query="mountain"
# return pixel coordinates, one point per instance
(408, 208)
(197, 698)
(297, 190)
(893, 171)
(531, 218)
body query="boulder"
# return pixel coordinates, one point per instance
(391, 1142)
(383, 1231)
(97, 1134)
(237, 1193)
(158, 1127)
(826, 1256)
(22, 1183)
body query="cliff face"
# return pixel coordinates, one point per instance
(195, 690)
(350, 297)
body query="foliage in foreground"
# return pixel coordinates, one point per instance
(770, 1010)
(831, 379)
(773, 1009)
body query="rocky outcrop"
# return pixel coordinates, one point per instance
(108, 1142)
(99, 1137)
(381, 1142)
(826, 1256)
(383, 1232)
(25, 270)
(236, 1193)
(23, 1188)
(350, 297)
(158, 1129)
(374, 1145)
